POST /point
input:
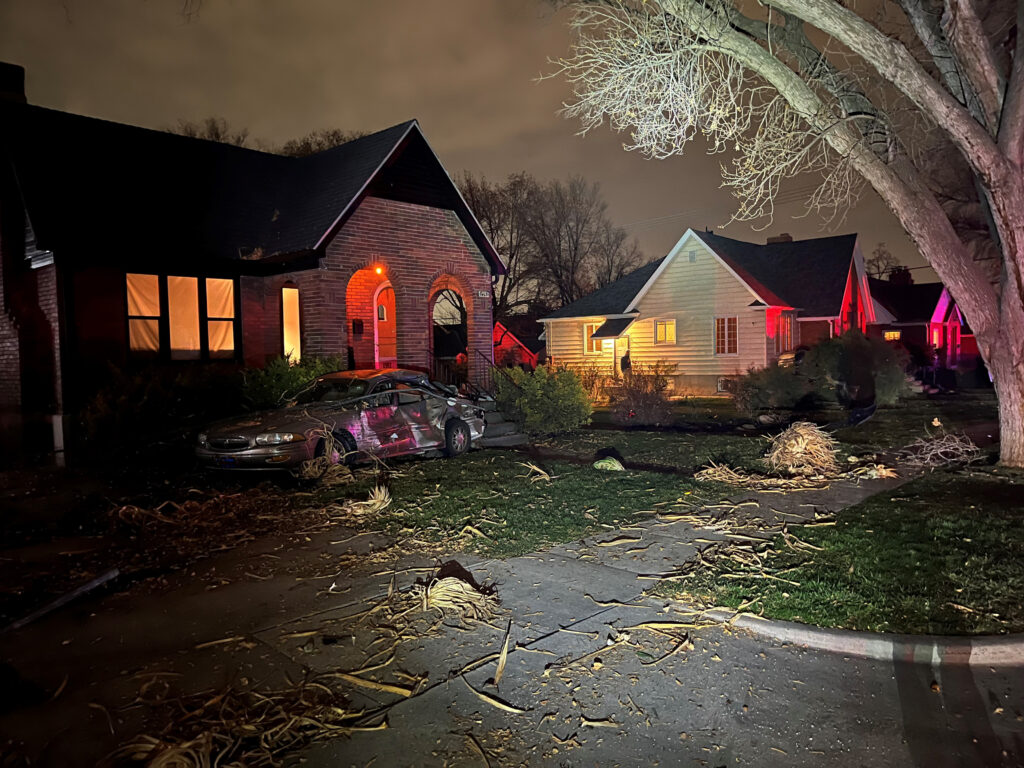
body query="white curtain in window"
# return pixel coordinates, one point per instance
(183, 317)
(143, 295)
(143, 312)
(143, 334)
(220, 298)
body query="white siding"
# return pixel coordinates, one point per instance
(694, 294)
(565, 345)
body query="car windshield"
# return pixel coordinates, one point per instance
(331, 390)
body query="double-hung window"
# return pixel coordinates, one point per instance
(181, 317)
(783, 333)
(726, 335)
(664, 331)
(591, 346)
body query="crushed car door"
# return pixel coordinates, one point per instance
(383, 420)
(418, 412)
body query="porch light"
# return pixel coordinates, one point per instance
(379, 270)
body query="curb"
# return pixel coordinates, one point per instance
(980, 651)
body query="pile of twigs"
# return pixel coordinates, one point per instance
(239, 728)
(452, 596)
(720, 473)
(804, 449)
(945, 450)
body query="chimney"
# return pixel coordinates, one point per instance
(12, 83)
(785, 237)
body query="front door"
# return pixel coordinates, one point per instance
(385, 329)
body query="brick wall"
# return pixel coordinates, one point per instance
(419, 250)
(10, 356)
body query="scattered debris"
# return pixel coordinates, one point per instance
(609, 464)
(948, 449)
(379, 499)
(239, 727)
(535, 473)
(720, 473)
(452, 595)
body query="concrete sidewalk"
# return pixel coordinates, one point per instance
(592, 691)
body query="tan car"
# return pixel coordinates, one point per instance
(366, 413)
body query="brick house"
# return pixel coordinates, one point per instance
(126, 246)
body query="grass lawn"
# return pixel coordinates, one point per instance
(687, 452)
(943, 554)
(490, 491)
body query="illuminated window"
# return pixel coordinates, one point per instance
(892, 335)
(591, 346)
(220, 317)
(143, 313)
(664, 331)
(936, 337)
(783, 333)
(726, 335)
(198, 319)
(290, 329)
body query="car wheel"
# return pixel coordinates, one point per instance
(456, 437)
(342, 447)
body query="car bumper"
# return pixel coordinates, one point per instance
(262, 457)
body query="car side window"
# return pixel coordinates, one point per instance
(383, 394)
(409, 396)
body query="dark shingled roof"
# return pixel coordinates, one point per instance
(809, 275)
(913, 303)
(612, 329)
(612, 299)
(100, 188)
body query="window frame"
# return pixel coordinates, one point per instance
(290, 285)
(666, 321)
(587, 340)
(714, 335)
(783, 333)
(164, 352)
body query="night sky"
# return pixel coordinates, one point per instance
(466, 69)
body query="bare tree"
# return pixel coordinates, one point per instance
(319, 141)
(213, 129)
(501, 209)
(893, 91)
(881, 263)
(577, 247)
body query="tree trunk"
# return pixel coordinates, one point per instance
(1008, 378)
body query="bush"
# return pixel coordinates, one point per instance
(820, 378)
(271, 386)
(545, 401)
(770, 388)
(133, 408)
(642, 396)
(826, 364)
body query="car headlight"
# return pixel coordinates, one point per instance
(278, 438)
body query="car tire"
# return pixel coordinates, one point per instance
(456, 437)
(345, 445)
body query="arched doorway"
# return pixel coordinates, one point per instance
(371, 318)
(449, 321)
(385, 328)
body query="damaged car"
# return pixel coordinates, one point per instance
(347, 416)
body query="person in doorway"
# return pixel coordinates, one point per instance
(624, 364)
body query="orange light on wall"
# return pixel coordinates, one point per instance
(379, 270)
